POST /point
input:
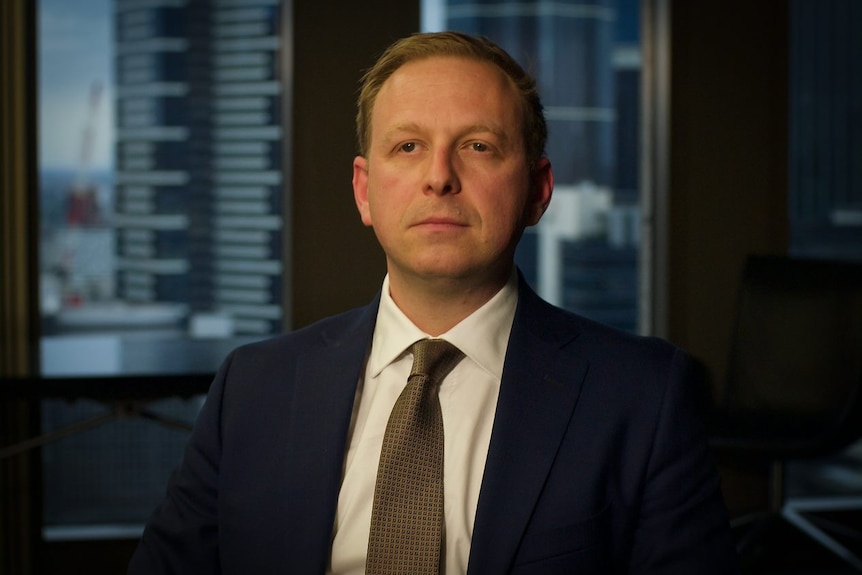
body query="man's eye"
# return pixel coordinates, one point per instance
(408, 147)
(479, 147)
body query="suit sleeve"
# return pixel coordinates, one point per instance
(682, 526)
(182, 534)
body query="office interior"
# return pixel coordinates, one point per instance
(715, 110)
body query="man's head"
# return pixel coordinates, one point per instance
(453, 44)
(452, 169)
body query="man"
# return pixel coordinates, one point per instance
(568, 447)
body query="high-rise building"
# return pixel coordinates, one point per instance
(199, 155)
(584, 254)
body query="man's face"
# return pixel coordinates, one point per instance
(446, 183)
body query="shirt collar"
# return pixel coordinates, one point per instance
(482, 336)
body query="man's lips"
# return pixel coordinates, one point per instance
(439, 222)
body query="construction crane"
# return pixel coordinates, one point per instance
(82, 208)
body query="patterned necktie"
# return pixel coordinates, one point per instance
(407, 517)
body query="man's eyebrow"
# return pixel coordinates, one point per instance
(485, 128)
(413, 127)
(401, 128)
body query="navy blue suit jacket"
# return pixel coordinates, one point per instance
(598, 462)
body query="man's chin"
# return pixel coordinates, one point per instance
(461, 276)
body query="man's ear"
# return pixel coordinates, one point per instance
(541, 189)
(360, 189)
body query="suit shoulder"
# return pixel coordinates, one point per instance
(626, 342)
(600, 337)
(329, 330)
(626, 363)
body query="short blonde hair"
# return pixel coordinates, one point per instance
(427, 45)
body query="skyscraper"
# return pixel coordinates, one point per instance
(199, 156)
(584, 254)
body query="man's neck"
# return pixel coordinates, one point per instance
(436, 306)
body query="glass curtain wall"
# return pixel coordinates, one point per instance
(586, 57)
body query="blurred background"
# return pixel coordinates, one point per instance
(176, 182)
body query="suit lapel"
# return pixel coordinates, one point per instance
(538, 393)
(320, 412)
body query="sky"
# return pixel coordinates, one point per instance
(75, 51)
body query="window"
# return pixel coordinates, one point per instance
(161, 231)
(586, 58)
(826, 129)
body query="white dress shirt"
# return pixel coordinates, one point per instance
(468, 400)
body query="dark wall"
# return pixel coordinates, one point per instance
(337, 263)
(727, 179)
(728, 161)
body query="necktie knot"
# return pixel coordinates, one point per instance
(434, 358)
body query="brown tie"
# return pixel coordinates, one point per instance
(407, 517)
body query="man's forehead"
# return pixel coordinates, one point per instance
(407, 103)
(470, 77)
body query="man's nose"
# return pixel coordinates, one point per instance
(442, 174)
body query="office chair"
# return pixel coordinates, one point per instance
(794, 388)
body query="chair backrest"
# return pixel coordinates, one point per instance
(795, 366)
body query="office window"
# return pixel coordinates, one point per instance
(826, 129)
(584, 254)
(161, 180)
